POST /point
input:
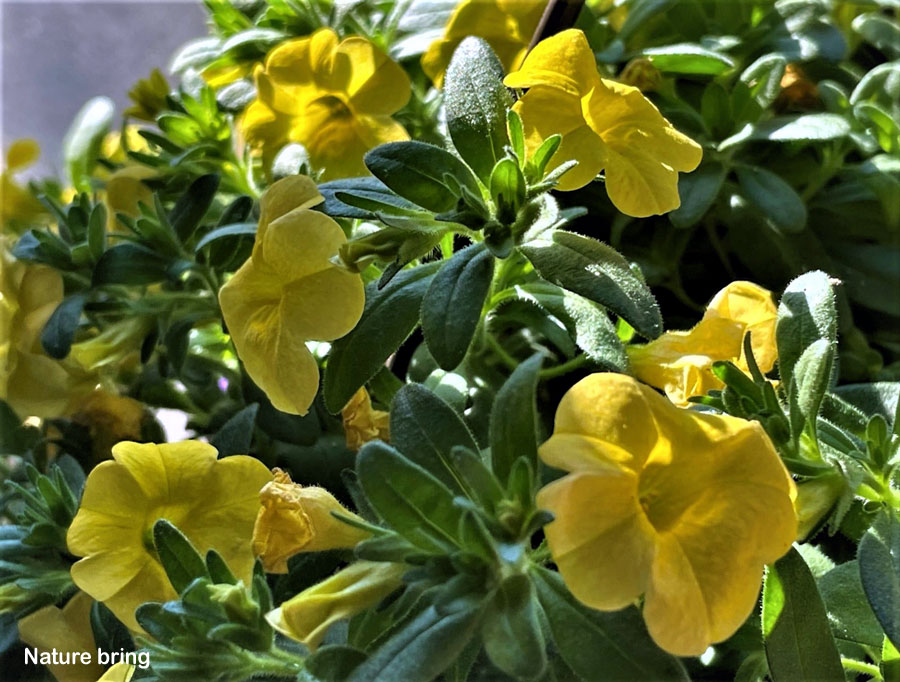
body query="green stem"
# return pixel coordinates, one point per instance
(860, 667)
(564, 368)
(501, 352)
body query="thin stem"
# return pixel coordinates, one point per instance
(501, 352)
(860, 667)
(565, 367)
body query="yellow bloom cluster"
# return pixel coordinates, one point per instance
(289, 292)
(680, 362)
(335, 98)
(684, 508)
(213, 502)
(604, 125)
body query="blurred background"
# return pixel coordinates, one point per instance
(56, 55)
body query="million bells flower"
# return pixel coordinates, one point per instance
(604, 125)
(295, 518)
(683, 507)
(680, 362)
(289, 292)
(334, 98)
(506, 25)
(213, 502)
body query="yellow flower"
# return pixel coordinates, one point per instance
(120, 672)
(68, 631)
(334, 98)
(680, 506)
(148, 96)
(18, 206)
(213, 502)
(109, 419)
(815, 498)
(288, 292)
(604, 125)
(296, 518)
(362, 423)
(116, 144)
(307, 616)
(680, 362)
(507, 25)
(218, 75)
(125, 189)
(30, 381)
(112, 346)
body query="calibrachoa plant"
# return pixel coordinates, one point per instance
(516, 339)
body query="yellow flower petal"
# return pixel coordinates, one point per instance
(120, 672)
(307, 616)
(375, 83)
(665, 519)
(564, 62)
(22, 153)
(68, 631)
(362, 422)
(753, 307)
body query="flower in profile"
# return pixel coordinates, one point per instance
(362, 422)
(68, 631)
(289, 292)
(296, 518)
(680, 362)
(683, 507)
(213, 502)
(334, 98)
(507, 25)
(307, 616)
(604, 125)
(30, 381)
(18, 206)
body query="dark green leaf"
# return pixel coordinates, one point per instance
(812, 374)
(798, 640)
(511, 631)
(193, 205)
(368, 187)
(177, 555)
(426, 429)
(476, 102)
(774, 197)
(598, 645)
(390, 315)
(334, 663)
(416, 170)
(236, 435)
(130, 264)
(452, 305)
(514, 421)
(597, 272)
(59, 331)
(409, 499)
(698, 191)
(233, 230)
(879, 570)
(849, 612)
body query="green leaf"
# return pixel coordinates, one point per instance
(218, 569)
(81, 145)
(812, 374)
(878, 397)
(96, 234)
(334, 663)
(416, 170)
(426, 429)
(193, 205)
(59, 331)
(798, 640)
(597, 272)
(177, 555)
(108, 631)
(368, 188)
(511, 630)
(806, 314)
(601, 645)
(452, 305)
(849, 612)
(763, 78)
(236, 435)
(130, 264)
(688, 58)
(233, 230)
(514, 420)
(880, 31)
(879, 570)
(803, 127)
(422, 648)
(777, 200)
(476, 102)
(408, 498)
(389, 316)
(698, 192)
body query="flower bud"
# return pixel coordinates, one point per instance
(815, 498)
